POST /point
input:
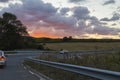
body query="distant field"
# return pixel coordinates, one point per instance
(73, 46)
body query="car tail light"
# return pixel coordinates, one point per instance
(2, 58)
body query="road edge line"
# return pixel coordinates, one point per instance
(36, 73)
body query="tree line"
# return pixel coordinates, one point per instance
(70, 39)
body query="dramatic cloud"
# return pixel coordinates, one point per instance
(81, 13)
(94, 26)
(104, 30)
(109, 2)
(115, 17)
(63, 11)
(43, 19)
(36, 12)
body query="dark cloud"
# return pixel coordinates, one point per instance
(105, 19)
(115, 17)
(38, 9)
(114, 24)
(4, 0)
(75, 1)
(63, 11)
(81, 13)
(103, 23)
(97, 27)
(118, 9)
(109, 2)
(94, 26)
(104, 30)
(31, 10)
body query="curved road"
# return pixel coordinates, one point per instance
(14, 69)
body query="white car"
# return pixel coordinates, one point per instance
(63, 51)
(2, 59)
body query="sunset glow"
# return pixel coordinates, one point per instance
(41, 35)
(58, 18)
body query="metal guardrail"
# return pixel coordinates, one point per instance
(65, 55)
(88, 71)
(36, 51)
(69, 52)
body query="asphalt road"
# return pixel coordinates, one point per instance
(15, 70)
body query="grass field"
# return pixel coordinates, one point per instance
(76, 46)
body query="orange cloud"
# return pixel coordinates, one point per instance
(38, 35)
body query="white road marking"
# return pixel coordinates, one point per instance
(31, 72)
(25, 68)
(36, 75)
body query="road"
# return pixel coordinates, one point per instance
(15, 70)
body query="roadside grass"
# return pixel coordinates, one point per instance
(76, 46)
(108, 61)
(57, 74)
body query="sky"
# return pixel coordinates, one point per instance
(98, 19)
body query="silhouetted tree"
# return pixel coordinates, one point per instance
(70, 37)
(65, 39)
(11, 32)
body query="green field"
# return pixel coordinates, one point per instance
(76, 46)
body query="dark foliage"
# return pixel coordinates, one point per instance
(67, 39)
(40, 47)
(13, 34)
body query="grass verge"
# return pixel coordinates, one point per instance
(109, 61)
(57, 74)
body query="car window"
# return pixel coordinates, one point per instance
(0, 53)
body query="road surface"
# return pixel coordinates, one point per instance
(15, 70)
